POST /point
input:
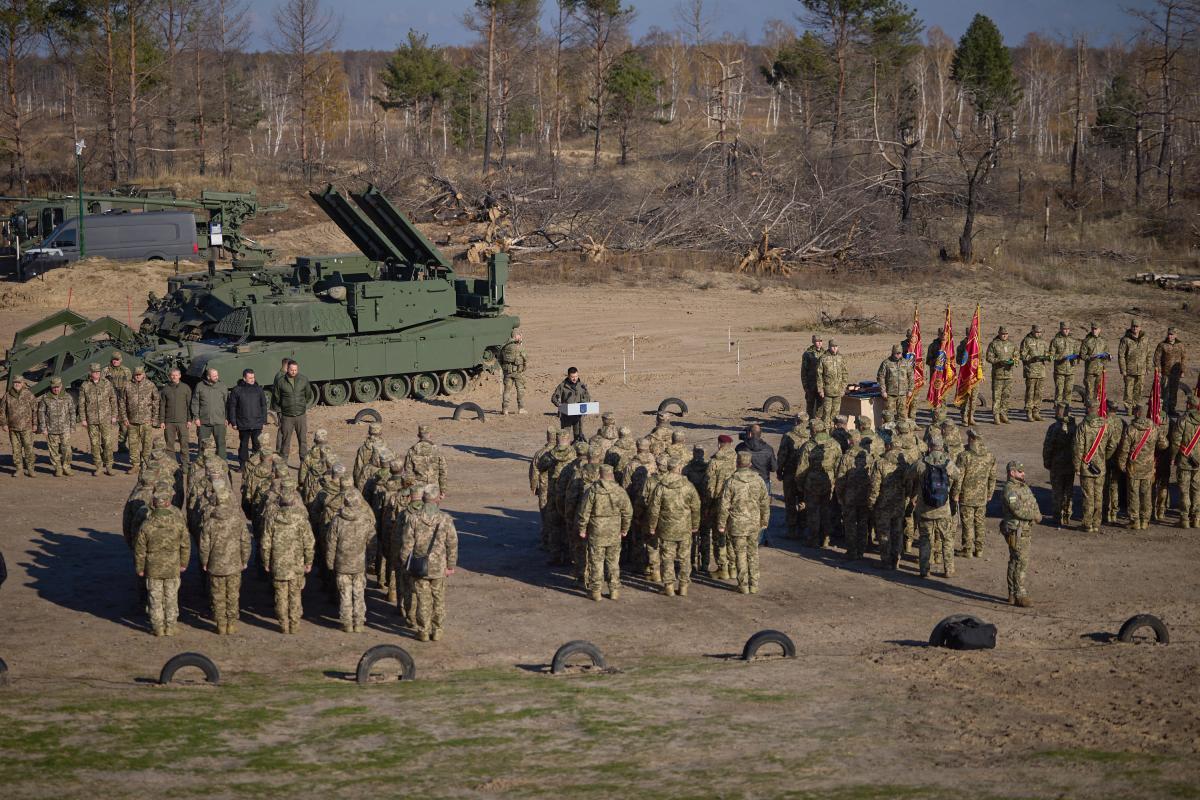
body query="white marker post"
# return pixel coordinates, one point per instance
(739, 359)
(728, 339)
(633, 345)
(624, 374)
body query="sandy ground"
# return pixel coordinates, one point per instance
(1055, 684)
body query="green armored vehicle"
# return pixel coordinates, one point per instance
(392, 321)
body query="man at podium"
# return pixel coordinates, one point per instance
(570, 391)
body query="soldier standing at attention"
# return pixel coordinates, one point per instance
(425, 462)
(933, 480)
(1002, 355)
(810, 365)
(366, 454)
(56, 419)
(119, 376)
(174, 413)
(224, 553)
(1185, 445)
(975, 488)
(720, 468)
(512, 365)
(1094, 353)
(1133, 360)
(209, 406)
(1135, 457)
(429, 541)
(856, 496)
(291, 392)
(1064, 352)
(1058, 458)
(537, 483)
(139, 416)
(1020, 512)
(604, 519)
(815, 469)
(161, 550)
(571, 390)
(98, 412)
(287, 553)
(743, 512)
(346, 557)
(832, 378)
(674, 517)
(890, 487)
(18, 413)
(1034, 355)
(1091, 449)
(1168, 360)
(789, 451)
(895, 378)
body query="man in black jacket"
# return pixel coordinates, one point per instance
(246, 410)
(762, 461)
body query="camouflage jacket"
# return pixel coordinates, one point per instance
(720, 468)
(426, 464)
(1002, 355)
(641, 501)
(18, 410)
(871, 441)
(287, 542)
(347, 539)
(789, 450)
(832, 375)
(97, 403)
(744, 508)
(315, 463)
(1064, 351)
(1155, 439)
(852, 478)
(1035, 352)
(916, 477)
(679, 450)
(395, 518)
(660, 438)
(619, 454)
(56, 413)
(978, 481)
(1086, 433)
(537, 478)
(895, 376)
(162, 547)
(139, 403)
(1020, 506)
(120, 377)
(561, 484)
(818, 466)
(553, 462)
(512, 358)
(1134, 354)
(1058, 448)
(224, 543)
(1091, 350)
(585, 475)
(954, 442)
(363, 458)
(1168, 358)
(139, 499)
(1182, 433)
(674, 509)
(605, 513)
(430, 532)
(889, 481)
(630, 472)
(604, 438)
(810, 364)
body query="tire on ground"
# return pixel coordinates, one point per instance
(574, 648)
(758, 640)
(368, 415)
(1136, 623)
(382, 652)
(673, 401)
(199, 660)
(937, 638)
(469, 408)
(776, 399)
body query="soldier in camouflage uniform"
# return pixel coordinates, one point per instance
(1035, 353)
(559, 495)
(743, 512)
(895, 377)
(224, 553)
(1133, 360)
(584, 476)
(161, 552)
(430, 533)
(139, 500)
(1064, 353)
(674, 517)
(425, 462)
(551, 466)
(1091, 448)
(119, 376)
(975, 488)
(629, 468)
(678, 447)
(912, 449)
(1168, 360)
(18, 413)
(855, 495)
(346, 557)
(720, 468)
(889, 485)
(952, 439)
(1135, 457)
(98, 413)
(1185, 447)
(388, 497)
(1058, 457)
(1002, 355)
(1114, 472)
(608, 434)
(1020, 512)
(815, 470)
(538, 484)
(810, 364)
(648, 552)
(365, 454)
(935, 523)
(621, 451)
(789, 450)
(315, 463)
(139, 416)
(660, 437)
(1093, 351)
(287, 552)
(869, 439)
(832, 379)
(395, 517)
(841, 431)
(512, 366)
(604, 519)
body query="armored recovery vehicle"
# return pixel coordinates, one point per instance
(392, 320)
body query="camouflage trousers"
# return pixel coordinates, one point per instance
(1133, 391)
(288, 606)
(430, 597)
(22, 449)
(1093, 496)
(61, 452)
(139, 439)
(405, 603)
(1189, 498)
(1062, 487)
(791, 503)
(1033, 398)
(514, 381)
(579, 558)
(1141, 502)
(1018, 557)
(897, 404)
(225, 591)
(745, 559)
(889, 524)
(653, 560)
(969, 404)
(1114, 487)
(972, 522)
(1001, 396)
(709, 551)
(936, 533)
(1062, 389)
(675, 556)
(819, 512)
(855, 522)
(604, 566)
(1091, 384)
(544, 513)
(352, 600)
(830, 406)
(103, 438)
(162, 604)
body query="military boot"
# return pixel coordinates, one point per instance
(29, 472)
(230, 626)
(1012, 599)
(669, 590)
(435, 634)
(594, 595)
(1024, 602)
(422, 636)
(615, 594)
(683, 590)
(744, 590)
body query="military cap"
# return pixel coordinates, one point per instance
(581, 448)
(94, 367)
(608, 416)
(161, 500)
(743, 459)
(863, 422)
(430, 493)
(320, 436)
(564, 436)
(662, 460)
(904, 425)
(606, 471)
(1037, 328)
(551, 431)
(1003, 330)
(346, 481)
(698, 450)
(674, 463)
(595, 451)
(1172, 330)
(266, 448)
(946, 425)
(416, 490)
(625, 430)
(18, 378)
(817, 426)
(1062, 326)
(724, 438)
(801, 416)
(287, 483)
(1133, 323)
(116, 356)
(396, 467)
(935, 441)
(1060, 412)
(678, 436)
(352, 498)
(1093, 324)
(139, 370)
(840, 419)
(832, 343)
(1111, 405)
(422, 430)
(897, 350)
(888, 416)
(374, 429)
(972, 433)
(853, 434)
(1015, 466)
(816, 338)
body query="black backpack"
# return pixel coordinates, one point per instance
(970, 634)
(935, 489)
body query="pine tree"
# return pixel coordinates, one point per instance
(983, 67)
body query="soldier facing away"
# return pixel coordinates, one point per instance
(744, 511)
(346, 557)
(161, 552)
(975, 488)
(512, 365)
(224, 553)
(287, 553)
(430, 540)
(1136, 458)
(674, 517)
(1185, 445)
(425, 463)
(932, 480)
(604, 519)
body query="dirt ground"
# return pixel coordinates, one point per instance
(866, 710)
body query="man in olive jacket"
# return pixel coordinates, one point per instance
(175, 412)
(291, 392)
(571, 390)
(208, 410)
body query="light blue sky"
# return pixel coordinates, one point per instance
(381, 24)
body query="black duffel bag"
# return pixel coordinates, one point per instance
(970, 634)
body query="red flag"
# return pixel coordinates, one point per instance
(970, 372)
(942, 376)
(1102, 394)
(916, 351)
(1156, 399)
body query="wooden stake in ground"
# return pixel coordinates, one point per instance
(624, 373)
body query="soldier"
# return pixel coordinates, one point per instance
(1114, 473)
(1093, 351)
(1002, 355)
(551, 466)
(346, 557)
(1034, 355)
(832, 381)
(430, 541)
(210, 402)
(537, 483)
(895, 377)
(571, 391)
(119, 376)
(660, 436)
(586, 473)
(621, 451)
(1020, 512)
(604, 518)
(1133, 360)
(1058, 458)
(810, 368)
(139, 501)
(425, 463)
(224, 553)
(932, 481)
(815, 470)
(1135, 457)
(976, 485)
(869, 440)
(1184, 439)
(1091, 448)
(313, 464)
(971, 401)
(674, 517)
(389, 495)
(789, 450)
(139, 416)
(18, 413)
(512, 365)
(855, 495)
(1064, 352)
(840, 431)
(161, 552)
(608, 434)
(678, 447)
(720, 468)
(743, 511)
(366, 454)
(287, 553)
(395, 517)
(98, 413)
(889, 485)
(56, 419)
(648, 550)
(952, 439)
(1168, 360)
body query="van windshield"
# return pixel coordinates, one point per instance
(63, 236)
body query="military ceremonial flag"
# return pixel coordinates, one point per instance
(1156, 399)
(1102, 394)
(941, 377)
(970, 371)
(916, 353)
